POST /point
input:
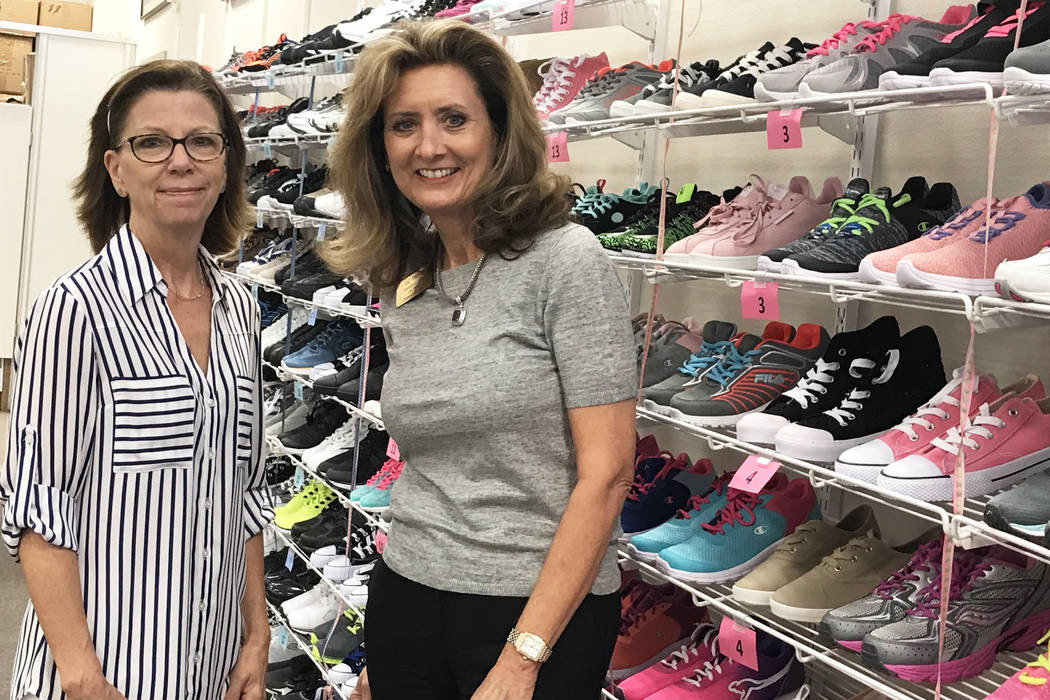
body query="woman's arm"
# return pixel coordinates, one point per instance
(248, 676)
(604, 440)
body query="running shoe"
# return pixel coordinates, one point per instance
(782, 83)
(742, 88)
(563, 80)
(670, 490)
(657, 98)
(1027, 71)
(985, 61)
(1023, 510)
(1029, 683)
(606, 86)
(701, 648)
(676, 343)
(689, 96)
(717, 340)
(660, 620)
(1027, 279)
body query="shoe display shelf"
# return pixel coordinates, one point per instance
(327, 65)
(363, 319)
(812, 649)
(293, 636)
(283, 217)
(967, 529)
(289, 145)
(277, 448)
(306, 383)
(637, 16)
(986, 313)
(285, 541)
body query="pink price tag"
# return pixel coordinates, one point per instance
(784, 129)
(759, 300)
(558, 147)
(754, 474)
(563, 15)
(380, 541)
(738, 643)
(392, 452)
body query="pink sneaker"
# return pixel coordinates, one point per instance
(880, 267)
(968, 265)
(564, 78)
(1006, 442)
(461, 9)
(701, 649)
(933, 420)
(1032, 682)
(786, 214)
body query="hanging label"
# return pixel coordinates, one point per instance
(754, 474)
(380, 541)
(255, 290)
(258, 218)
(269, 79)
(321, 230)
(266, 149)
(784, 129)
(558, 147)
(297, 391)
(289, 561)
(313, 317)
(339, 62)
(564, 12)
(759, 300)
(299, 478)
(738, 643)
(392, 452)
(282, 637)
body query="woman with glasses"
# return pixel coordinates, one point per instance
(133, 492)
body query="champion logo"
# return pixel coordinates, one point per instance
(761, 530)
(924, 226)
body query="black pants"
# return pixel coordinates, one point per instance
(426, 644)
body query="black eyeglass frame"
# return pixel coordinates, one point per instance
(130, 141)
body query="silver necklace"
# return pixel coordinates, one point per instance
(459, 314)
(205, 288)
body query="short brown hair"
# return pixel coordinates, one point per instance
(102, 211)
(385, 237)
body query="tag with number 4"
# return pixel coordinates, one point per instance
(754, 474)
(738, 643)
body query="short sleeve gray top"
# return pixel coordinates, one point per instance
(480, 411)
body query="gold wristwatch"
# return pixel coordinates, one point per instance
(530, 646)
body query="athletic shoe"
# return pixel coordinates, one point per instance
(848, 572)
(700, 649)
(985, 61)
(849, 358)
(1027, 279)
(908, 375)
(742, 88)
(902, 37)
(689, 96)
(881, 267)
(718, 337)
(743, 534)
(750, 376)
(461, 9)
(933, 420)
(640, 238)
(779, 219)
(564, 79)
(674, 346)
(657, 98)
(660, 620)
(1022, 510)
(1027, 71)
(780, 675)
(338, 643)
(670, 490)
(883, 220)
(1017, 231)
(997, 601)
(610, 210)
(319, 612)
(1004, 443)
(782, 83)
(303, 508)
(841, 209)
(889, 602)
(323, 420)
(378, 499)
(607, 86)
(686, 523)
(799, 552)
(916, 72)
(625, 107)
(338, 338)
(727, 217)
(1030, 682)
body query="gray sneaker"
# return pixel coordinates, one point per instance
(717, 336)
(1023, 510)
(676, 342)
(900, 39)
(782, 83)
(657, 98)
(597, 96)
(1028, 70)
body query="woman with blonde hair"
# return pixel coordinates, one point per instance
(511, 385)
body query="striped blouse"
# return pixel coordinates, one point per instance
(122, 450)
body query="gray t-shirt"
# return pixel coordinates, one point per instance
(479, 412)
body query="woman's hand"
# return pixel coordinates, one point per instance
(512, 678)
(248, 676)
(93, 686)
(361, 690)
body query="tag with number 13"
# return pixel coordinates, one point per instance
(563, 15)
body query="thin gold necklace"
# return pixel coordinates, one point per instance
(204, 288)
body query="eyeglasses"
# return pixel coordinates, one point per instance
(157, 148)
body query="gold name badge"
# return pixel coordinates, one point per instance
(412, 286)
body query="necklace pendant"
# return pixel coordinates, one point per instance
(458, 316)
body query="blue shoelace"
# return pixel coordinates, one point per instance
(707, 355)
(731, 365)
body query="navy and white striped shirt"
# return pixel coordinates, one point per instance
(122, 450)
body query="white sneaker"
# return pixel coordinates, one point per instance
(1027, 279)
(338, 442)
(335, 297)
(356, 595)
(340, 674)
(323, 555)
(348, 687)
(320, 295)
(303, 599)
(338, 569)
(322, 611)
(331, 205)
(276, 332)
(372, 407)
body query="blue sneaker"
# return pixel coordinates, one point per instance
(271, 312)
(337, 339)
(378, 499)
(742, 534)
(688, 521)
(669, 491)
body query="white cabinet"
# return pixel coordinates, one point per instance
(15, 129)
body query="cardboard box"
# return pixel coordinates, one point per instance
(67, 15)
(24, 11)
(13, 52)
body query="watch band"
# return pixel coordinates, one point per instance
(516, 635)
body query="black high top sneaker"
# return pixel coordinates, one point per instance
(908, 375)
(849, 359)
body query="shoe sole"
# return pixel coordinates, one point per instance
(647, 557)
(765, 264)
(789, 612)
(1008, 291)
(978, 483)
(760, 428)
(713, 421)
(648, 107)
(860, 472)
(718, 98)
(737, 262)
(715, 577)
(622, 673)
(687, 100)
(940, 77)
(895, 81)
(869, 274)
(621, 108)
(791, 267)
(994, 517)
(826, 453)
(750, 596)
(909, 276)
(1018, 81)
(764, 95)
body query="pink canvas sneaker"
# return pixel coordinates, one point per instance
(1017, 231)
(880, 267)
(1006, 442)
(719, 219)
(701, 649)
(933, 420)
(1032, 682)
(782, 217)
(461, 9)
(565, 77)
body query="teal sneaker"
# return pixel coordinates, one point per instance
(378, 499)
(369, 486)
(743, 534)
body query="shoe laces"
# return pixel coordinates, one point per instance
(641, 486)
(933, 408)
(966, 569)
(832, 42)
(355, 660)
(390, 477)
(814, 384)
(641, 608)
(708, 671)
(859, 221)
(848, 553)
(708, 354)
(925, 558)
(748, 60)
(1000, 224)
(738, 509)
(832, 223)
(963, 218)
(800, 536)
(326, 336)
(847, 410)
(731, 365)
(691, 649)
(557, 77)
(978, 425)
(383, 471)
(697, 500)
(1040, 662)
(890, 27)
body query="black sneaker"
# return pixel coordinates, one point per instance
(657, 98)
(373, 385)
(323, 420)
(841, 209)
(304, 287)
(882, 220)
(641, 239)
(916, 72)
(612, 210)
(279, 469)
(340, 471)
(907, 376)
(849, 358)
(329, 384)
(313, 181)
(290, 584)
(296, 53)
(742, 87)
(306, 264)
(333, 514)
(371, 451)
(284, 675)
(689, 96)
(273, 180)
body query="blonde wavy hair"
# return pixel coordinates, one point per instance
(386, 236)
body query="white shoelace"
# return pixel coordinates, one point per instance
(551, 71)
(806, 392)
(707, 673)
(844, 412)
(932, 408)
(975, 427)
(777, 58)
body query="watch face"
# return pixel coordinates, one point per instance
(531, 646)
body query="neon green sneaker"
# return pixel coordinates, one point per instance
(311, 506)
